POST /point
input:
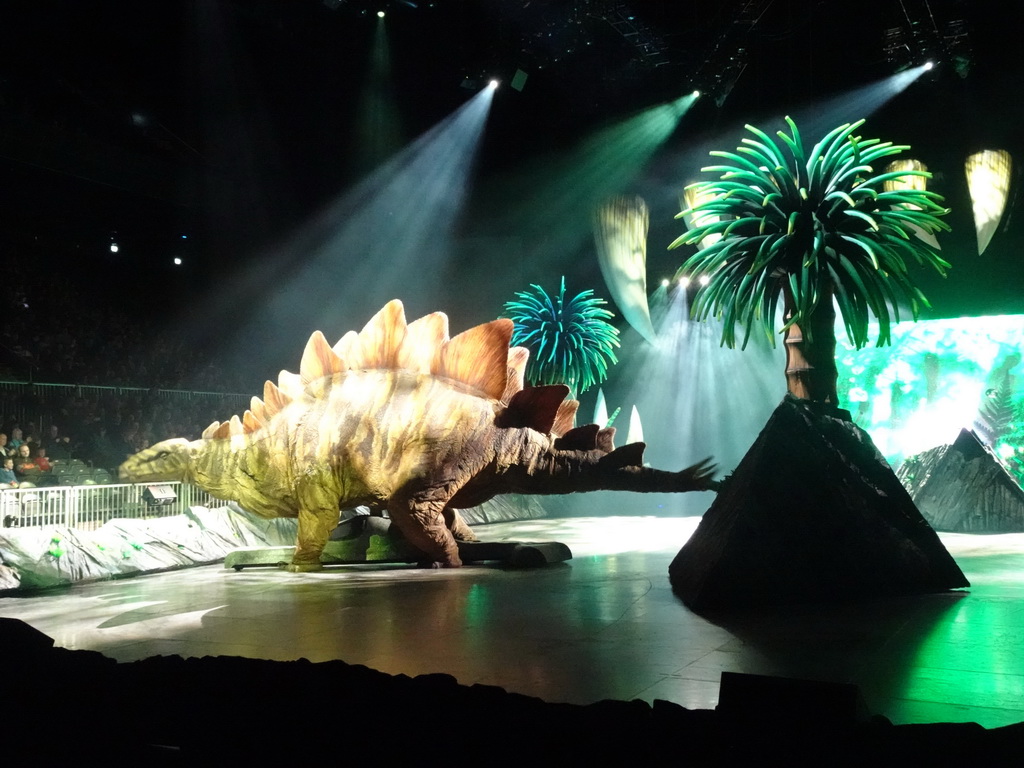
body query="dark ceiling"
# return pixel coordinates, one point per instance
(115, 116)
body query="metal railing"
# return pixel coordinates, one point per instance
(41, 388)
(87, 507)
(42, 397)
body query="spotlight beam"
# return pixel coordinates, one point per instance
(387, 237)
(378, 131)
(555, 198)
(820, 118)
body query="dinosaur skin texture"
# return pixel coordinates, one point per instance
(402, 418)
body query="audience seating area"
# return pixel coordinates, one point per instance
(71, 472)
(87, 368)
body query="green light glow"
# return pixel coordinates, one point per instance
(378, 127)
(937, 377)
(557, 196)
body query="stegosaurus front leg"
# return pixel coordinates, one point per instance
(315, 526)
(317, 501)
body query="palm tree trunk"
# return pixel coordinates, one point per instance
(811, 353)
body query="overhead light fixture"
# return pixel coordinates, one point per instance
(923, 39)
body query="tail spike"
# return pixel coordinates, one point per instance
(235, 426)
(210, 430)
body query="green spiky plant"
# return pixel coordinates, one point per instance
(1000, 421)
(570, 340)
(807, 228)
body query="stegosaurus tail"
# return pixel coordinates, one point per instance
(479, 358)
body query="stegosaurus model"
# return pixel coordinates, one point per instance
(402, 418)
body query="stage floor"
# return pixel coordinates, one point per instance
(605, 625)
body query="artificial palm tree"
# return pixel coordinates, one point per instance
(810, 228)
(570, 339)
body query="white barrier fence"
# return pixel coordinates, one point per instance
(89, 506)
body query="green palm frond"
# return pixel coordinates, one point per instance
(812, 225)
(570, 340)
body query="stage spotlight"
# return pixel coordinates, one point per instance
(684, 282)
(704, 280)
(159, 496)
(696, 94)
(929, 64)
(664, 283)
(493, 85)
(177, 261)
(113, 248)
(380, 14)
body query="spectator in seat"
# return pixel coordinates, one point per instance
(102, 452)
(42, 460)
(28, 467)
(124, 446)
(58, 446)
(5, 449)
(24, 465)
(7, 477)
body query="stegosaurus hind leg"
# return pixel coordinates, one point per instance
(460, 530)
(421, 519)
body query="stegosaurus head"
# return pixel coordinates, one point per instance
(165, 461)
(478, 360)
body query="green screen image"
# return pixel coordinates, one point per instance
(936, 378)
